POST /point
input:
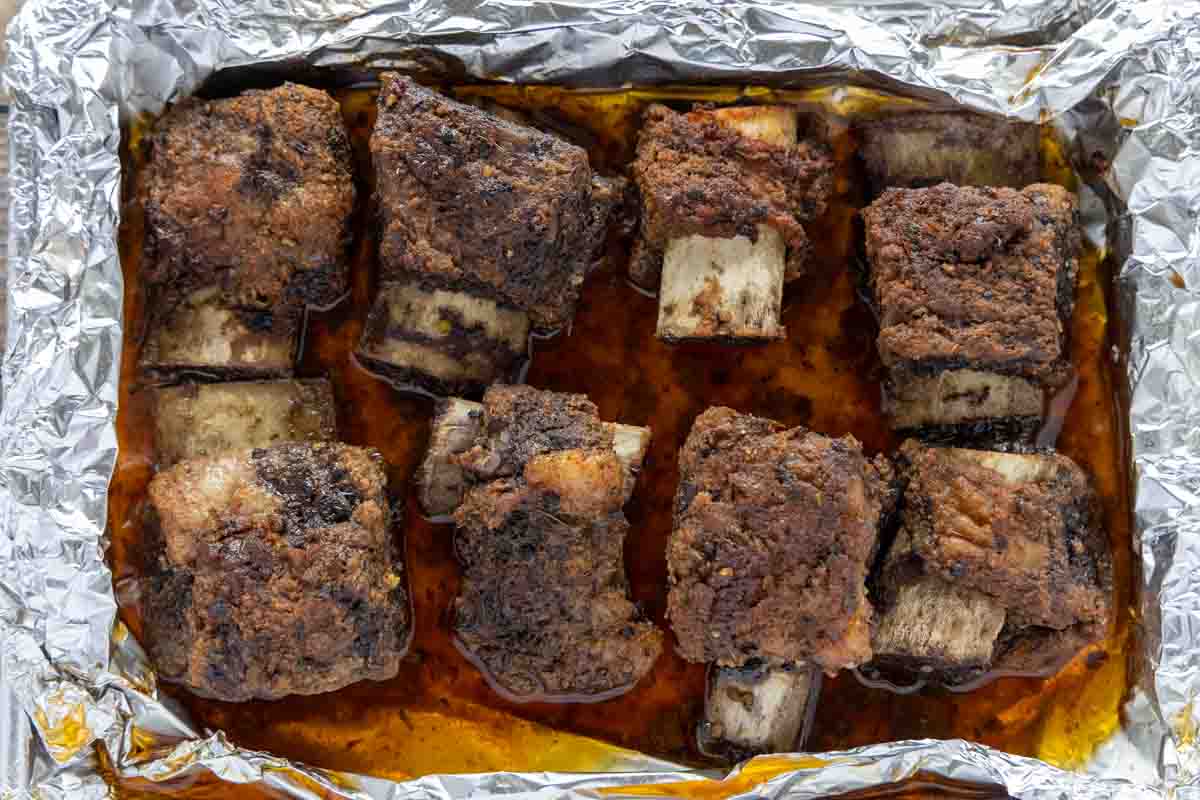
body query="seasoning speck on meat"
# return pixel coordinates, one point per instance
(974, 288)
(273, 572)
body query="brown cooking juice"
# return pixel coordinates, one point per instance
(438, 714)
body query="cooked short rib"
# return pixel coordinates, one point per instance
(1001, 564)
(536, 481)
(974, 288)
(274, 572)
(248, 203)
(774, 534)
(488, 228)
(210, 419)
(724, 195)
(967, 149)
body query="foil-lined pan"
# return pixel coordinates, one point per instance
(1118, 80)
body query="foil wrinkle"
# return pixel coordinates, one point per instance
(1118, 79)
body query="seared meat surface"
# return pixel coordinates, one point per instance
(774, 533)
(274, 572)
(931, 147)
(704, 173)
(536, 495)
(252, 194)
(473, 202)
(974, 288)
(488, 227)
(210, 419)
(1001, 563)
(544, 609)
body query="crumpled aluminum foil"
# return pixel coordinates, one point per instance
(1121, 84)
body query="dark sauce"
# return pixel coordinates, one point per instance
(439, 714)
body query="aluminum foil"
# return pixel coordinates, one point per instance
(1119, 78)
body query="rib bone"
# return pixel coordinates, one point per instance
(440, 480)
(718, 288)
(443, 341)
(196, 420)
(758, 710)
(203, 336)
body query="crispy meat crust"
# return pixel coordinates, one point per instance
(982, 278)
(774, 533)
(273, 572)
(544, 608)
(1036, 545)
(697, 176)
(474, 202)
(252, 194)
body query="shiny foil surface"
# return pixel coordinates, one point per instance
(1118, 79)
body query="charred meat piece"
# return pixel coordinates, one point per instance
(774, 534)
(200, 336)
(252, 194)
(209, 419)
(488, 225)
(927, 148)
(724, 195)
(473, 202)
(1001, 563)
(536, 482)
(273, 572)
(974, 288)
